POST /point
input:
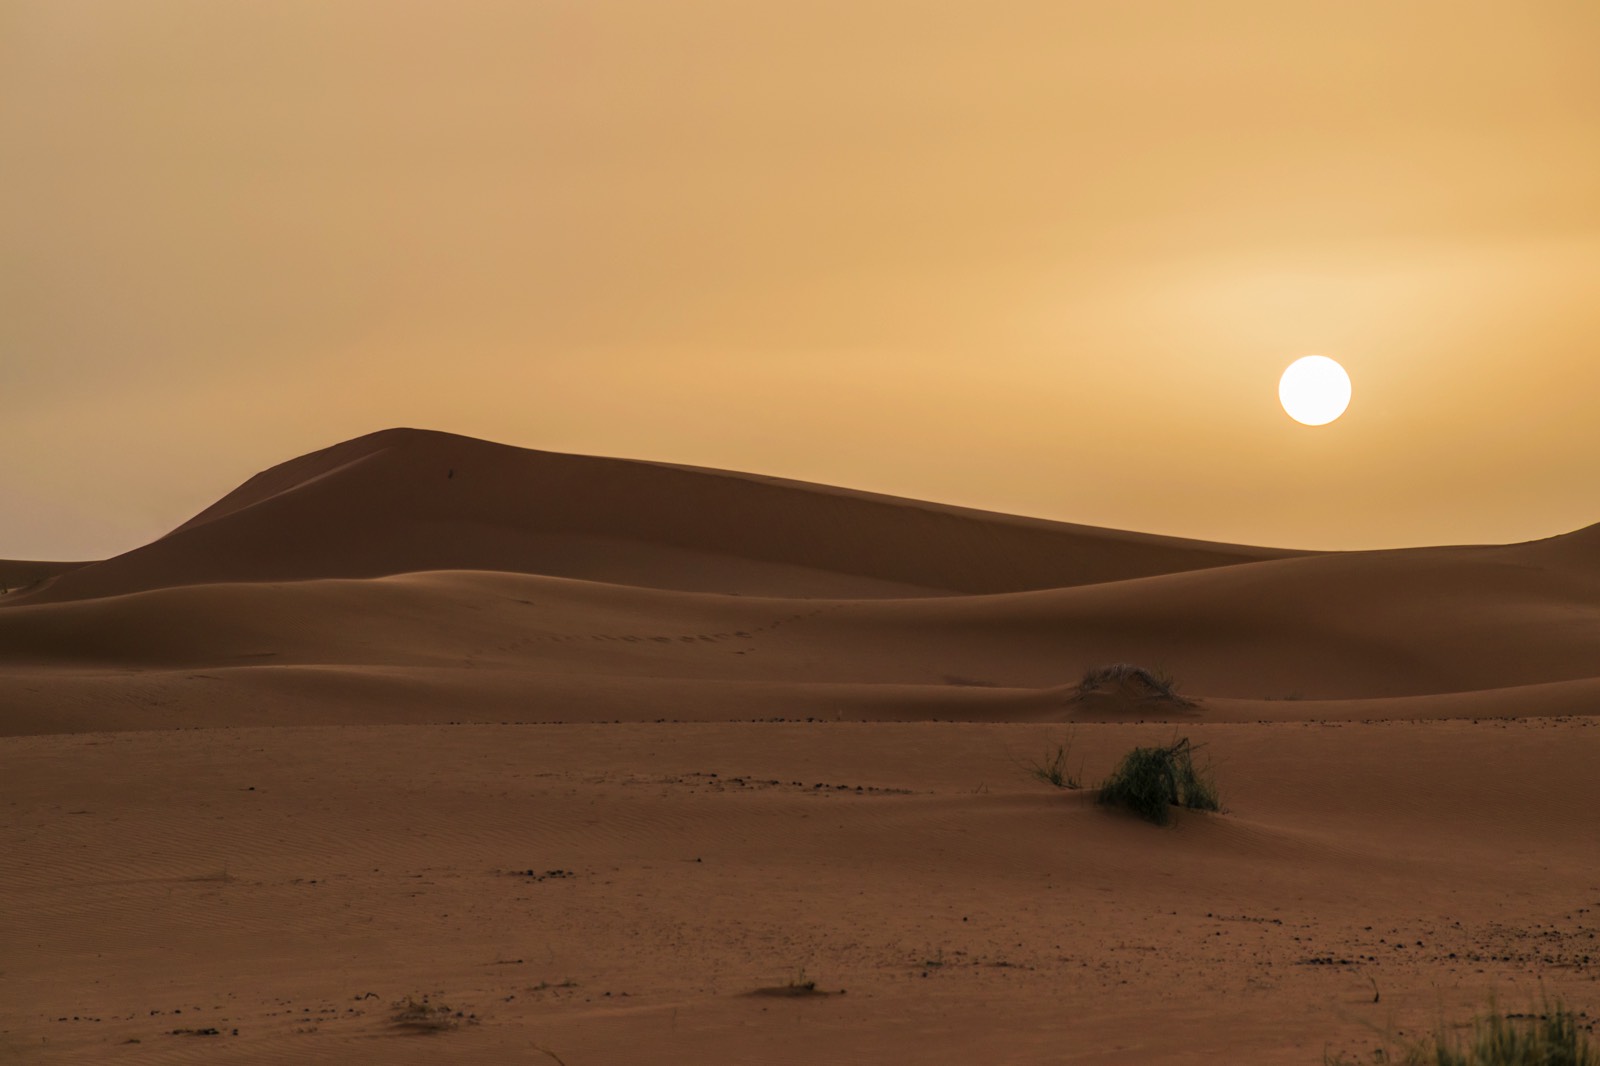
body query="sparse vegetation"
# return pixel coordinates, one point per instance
(424, 1016)
(798, 986)
(1052, 769)
(545, 986)
(1151, 781)
(1553, 1036)
(1132, 681)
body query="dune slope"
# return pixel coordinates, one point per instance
(401, 501)
(1323, 627)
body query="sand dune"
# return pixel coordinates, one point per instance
(1350, 627)
(592, 749)
(331, 560)
(406, 500)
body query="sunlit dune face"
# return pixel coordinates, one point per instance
(1315, 390)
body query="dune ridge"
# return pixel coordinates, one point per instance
(404, 500)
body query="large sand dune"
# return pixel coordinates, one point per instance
(403, 501)
(420, 662)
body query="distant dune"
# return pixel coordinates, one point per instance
(406, 571)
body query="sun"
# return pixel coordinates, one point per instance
(1315, 390)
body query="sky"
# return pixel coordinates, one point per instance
(1046, 258)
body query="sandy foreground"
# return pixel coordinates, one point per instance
(617, 794)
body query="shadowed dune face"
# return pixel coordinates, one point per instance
(24, 575)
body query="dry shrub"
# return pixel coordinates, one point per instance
(1133, 682)
(422, 1015)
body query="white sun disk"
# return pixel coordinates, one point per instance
(1315, 390)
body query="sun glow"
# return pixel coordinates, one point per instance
(1315, 390)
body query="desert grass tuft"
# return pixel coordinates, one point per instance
(1052, 769)
(1151, 781)
(1552, 1036)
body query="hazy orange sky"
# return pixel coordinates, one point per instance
(1047, 258)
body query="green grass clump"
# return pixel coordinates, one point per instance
(1151, 781)
(1552, 1037)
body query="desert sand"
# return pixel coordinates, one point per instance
(611, 758)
